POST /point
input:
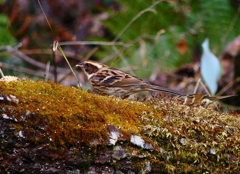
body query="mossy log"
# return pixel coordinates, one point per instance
(49, 128)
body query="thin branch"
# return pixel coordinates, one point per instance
(18, 54)
(91, 53)
(92, 43)
(23, 70)
(78, 82)
(47, 71)
(135, 18)
(49, 51)
(45, 16)
(132, 43)
(54, 48)
(233, 22)
(65, 76)
(123, 59)
(228, 86)
(197, 85)
(1, 72)
(205, 88)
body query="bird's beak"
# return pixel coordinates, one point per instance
(80, 65)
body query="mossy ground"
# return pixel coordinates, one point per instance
(185, 138)
(70, 115)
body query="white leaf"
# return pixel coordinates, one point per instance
(210, 68)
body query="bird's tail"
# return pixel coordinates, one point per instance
(198, 97)
(165, 90)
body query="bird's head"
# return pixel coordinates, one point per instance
(90, 67)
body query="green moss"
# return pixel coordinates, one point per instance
(69, 114)
(185, 138)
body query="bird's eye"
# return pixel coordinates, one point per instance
(88, 65)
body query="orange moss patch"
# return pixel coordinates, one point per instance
(69, 115)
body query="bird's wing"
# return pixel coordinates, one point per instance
(114, 78)
(119, 78)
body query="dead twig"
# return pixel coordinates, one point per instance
(18, 54)
(92, 43)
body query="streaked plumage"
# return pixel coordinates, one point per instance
(110, 81)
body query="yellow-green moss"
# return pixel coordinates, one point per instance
(192, 135)
(71, 114)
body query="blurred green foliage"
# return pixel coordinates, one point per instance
(188, 20)
(5, 39)
(5, 36)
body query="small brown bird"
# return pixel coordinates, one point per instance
(110, 81)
